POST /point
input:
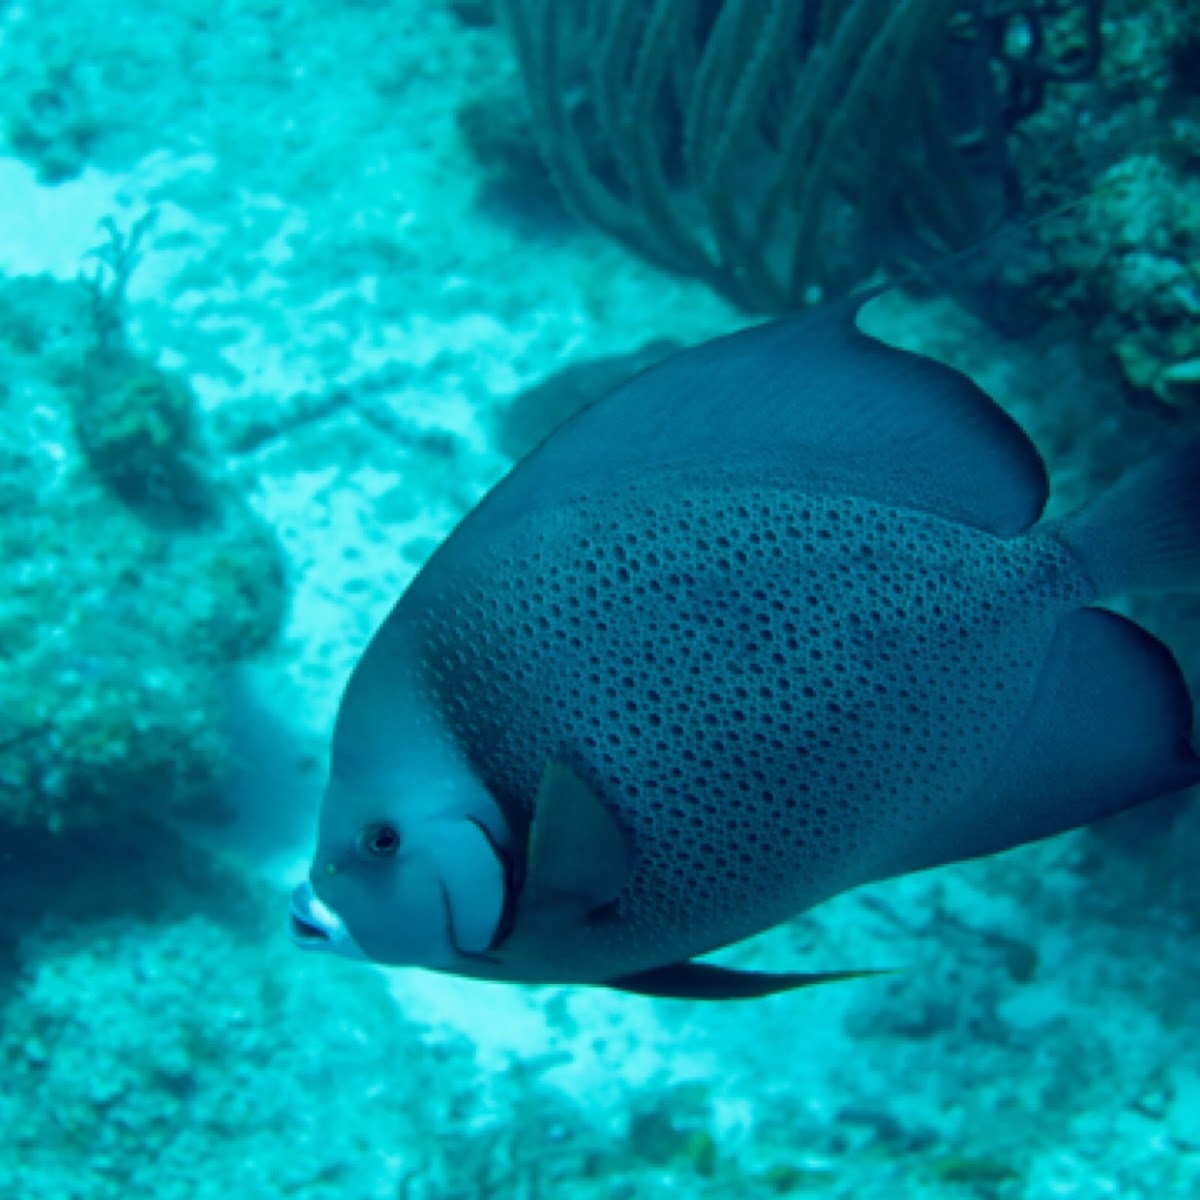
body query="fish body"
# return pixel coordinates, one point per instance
(774, 619)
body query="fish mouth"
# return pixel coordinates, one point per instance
(304, 923)
(304, 933)
(315, 926)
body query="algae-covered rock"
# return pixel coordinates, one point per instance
(136, 426)
(671, 1127)
(53, 121)
(538, 410)
(128, 592)
(787, 1179)
(978, 1174)
(1135, 248)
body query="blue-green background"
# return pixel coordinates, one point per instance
(318, 340)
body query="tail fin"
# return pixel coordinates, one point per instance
(1144, 534)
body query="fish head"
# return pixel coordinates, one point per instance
(408, 871)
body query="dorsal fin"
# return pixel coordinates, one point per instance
(810, 400)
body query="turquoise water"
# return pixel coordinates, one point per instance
(278, 282)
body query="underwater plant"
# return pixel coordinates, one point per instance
(781, 151)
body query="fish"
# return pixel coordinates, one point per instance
(778, 617)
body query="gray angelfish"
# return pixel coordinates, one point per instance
(774, 619)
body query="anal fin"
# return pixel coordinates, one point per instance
(705, 981)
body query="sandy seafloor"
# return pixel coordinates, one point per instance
(320, 225)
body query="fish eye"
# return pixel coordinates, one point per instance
(378, 840)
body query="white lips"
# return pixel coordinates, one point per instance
(315, 926)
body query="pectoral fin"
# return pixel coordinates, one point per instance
(577, 862)
(578, 855)
(703, 981)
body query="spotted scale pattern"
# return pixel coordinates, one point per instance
(778, 694)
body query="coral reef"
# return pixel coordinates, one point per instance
(1134, 256)
(187, 1060)
(1123, 154)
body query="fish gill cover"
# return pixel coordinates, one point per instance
(284, 288)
